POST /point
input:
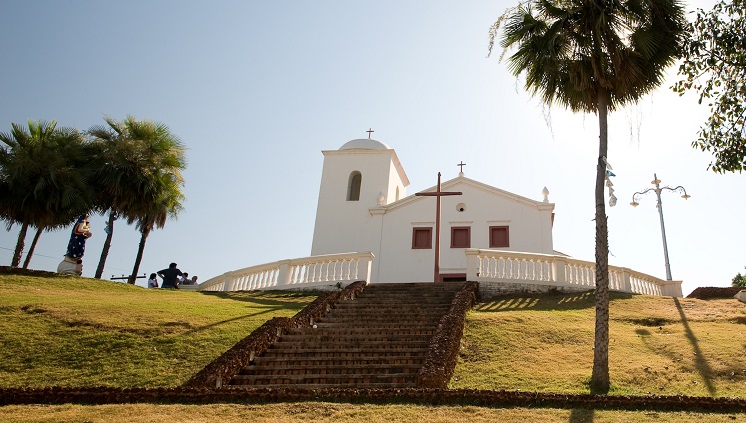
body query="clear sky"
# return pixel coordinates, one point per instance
(256, 89)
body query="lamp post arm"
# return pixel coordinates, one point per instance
(635, 195)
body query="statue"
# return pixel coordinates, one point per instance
(72, 262)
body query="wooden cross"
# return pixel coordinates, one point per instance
(369, 131)
(437, 194)
(461, 165)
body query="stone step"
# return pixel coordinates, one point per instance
(405, 291)
(395, 301)
(403, 295)
(345, 352)
(354, 331)
(380, 321)
(331, 369)
(408, 297)
(386, 308)
(399, 315)
(392, 360)
(387, 315)
(367, 337)
(354, 384)
(351, 344)
(389, 308)
(414, 285)
(372, 308)
(378, 340)
(376, 325)
(399, 299)
(257, 380)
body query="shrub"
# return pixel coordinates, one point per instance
(740, 280)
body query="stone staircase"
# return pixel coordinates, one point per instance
(378, 340)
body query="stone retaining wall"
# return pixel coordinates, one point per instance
(489, 290)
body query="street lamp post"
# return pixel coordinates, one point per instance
(658, 189)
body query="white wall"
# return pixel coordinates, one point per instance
(346, 226)
(386, 230)
(529, 222)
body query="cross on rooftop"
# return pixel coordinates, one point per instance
(369, 131)
(461, 165)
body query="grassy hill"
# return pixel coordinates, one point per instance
(658, 345)
(69, 331)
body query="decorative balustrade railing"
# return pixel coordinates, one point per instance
(308, 272)
(560, 271)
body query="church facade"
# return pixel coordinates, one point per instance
(369, 228)
(364, 207)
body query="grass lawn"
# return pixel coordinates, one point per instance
(69, 331)
(333, 412)
(658, 345)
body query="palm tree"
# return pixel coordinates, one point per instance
(133, 155)
(118, 175)
(43, 178)
(167, 203)
(593, 56)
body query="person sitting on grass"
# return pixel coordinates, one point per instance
(152, 281)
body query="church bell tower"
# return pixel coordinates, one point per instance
(363, 175)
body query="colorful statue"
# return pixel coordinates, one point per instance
(72, 262)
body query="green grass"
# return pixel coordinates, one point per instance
(333, 412)
(69, 331)
(658, 345)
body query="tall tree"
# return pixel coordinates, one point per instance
(714, 66)
(134, 156)
(165, 204)
(44, 174)
(592, 56)
(119, 175)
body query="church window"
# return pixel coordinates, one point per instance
(397, 196)
(422, 238)
(499, 237)
(460, 237)
(353, 186)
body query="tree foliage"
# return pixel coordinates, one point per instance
(739, 280)
(136, 160)
(714, 65)
(593, 56)
(44, 178)
(51, 175)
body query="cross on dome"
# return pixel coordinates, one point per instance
(369, 131)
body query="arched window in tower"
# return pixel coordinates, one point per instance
(397, 193)
(353, 186)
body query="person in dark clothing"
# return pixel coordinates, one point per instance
(170, 276)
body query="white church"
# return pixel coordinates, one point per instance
(364, 206)
(369, 228)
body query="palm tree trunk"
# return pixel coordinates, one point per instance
(138, 259)
(33, 247)
(19, 246)
(107, 245)
(600, 377)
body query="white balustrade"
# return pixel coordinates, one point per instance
(306, 272)
(508, 267)
(558, 271)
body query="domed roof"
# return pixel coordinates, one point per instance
(364, 144)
